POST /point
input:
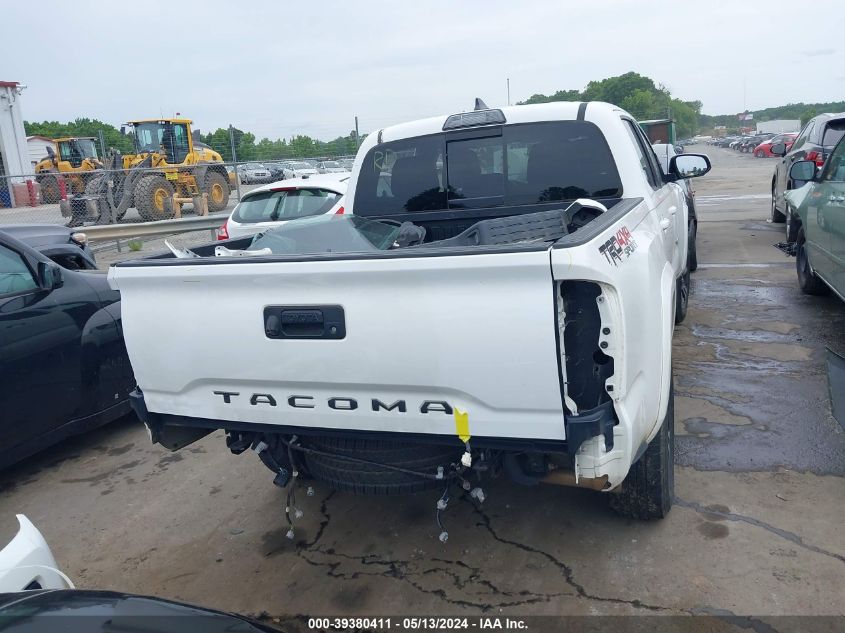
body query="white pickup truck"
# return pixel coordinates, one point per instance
(498, 295)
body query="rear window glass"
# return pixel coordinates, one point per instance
(511, 166)
(269, 206)
(834, 131)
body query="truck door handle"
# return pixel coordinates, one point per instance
(665, 223)
(304, 322)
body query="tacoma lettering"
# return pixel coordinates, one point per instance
(338, 403)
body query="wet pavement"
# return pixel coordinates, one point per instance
(755, 530)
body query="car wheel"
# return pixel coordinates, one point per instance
(692, 252)
(776, 216)
(791, 225)
(682, 287)
(809, 283)
(760, 154)
(649, 489)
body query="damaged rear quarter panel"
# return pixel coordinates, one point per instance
(638, 291)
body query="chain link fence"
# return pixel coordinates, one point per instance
(75, 186)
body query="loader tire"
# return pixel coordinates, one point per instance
(150, 194)
(217, 187)
(649, 489)
(370, 479)
(97, 187)
(50, 191)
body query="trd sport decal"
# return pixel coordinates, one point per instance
(619, 247)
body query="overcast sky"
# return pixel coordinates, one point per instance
(279, 68)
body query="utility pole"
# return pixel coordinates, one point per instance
(509, 90)
(102, 146)
(357, 135)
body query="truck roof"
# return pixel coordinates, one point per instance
(160, 121)
(554, 111)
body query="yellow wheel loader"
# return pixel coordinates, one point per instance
(73, 161)
(168, 169)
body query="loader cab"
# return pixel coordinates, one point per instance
(169, 137)
(76, 150)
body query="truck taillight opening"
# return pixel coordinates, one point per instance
(223, 232)
(340, 211)
(585, 366)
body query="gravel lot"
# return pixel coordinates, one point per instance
(759, 478)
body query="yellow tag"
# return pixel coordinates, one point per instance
(462, 425)
(171, 175)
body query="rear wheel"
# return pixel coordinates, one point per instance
(760, 154)
(217, 187)
(682, 297)
(649, 489)
(809, 283)
(150, 194)
(692, 252)
(370, 479)
(776, 216)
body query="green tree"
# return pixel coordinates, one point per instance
(807, 115)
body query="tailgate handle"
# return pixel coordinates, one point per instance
(304, 322)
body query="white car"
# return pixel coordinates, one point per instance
(27, 562)
(331, 167)
(250, 173)
(298, 169)
(280, 202)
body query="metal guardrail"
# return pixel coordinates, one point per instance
(146, 229)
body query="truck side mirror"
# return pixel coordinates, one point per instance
(778, 149)
(689, 165)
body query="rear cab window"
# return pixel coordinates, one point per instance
(487, 168)
(284, 204)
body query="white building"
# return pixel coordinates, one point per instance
(778, 126)
(37, 148)
(14, 157)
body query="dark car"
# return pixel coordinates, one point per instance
(65, 246)
(814, 142)
(63, 362)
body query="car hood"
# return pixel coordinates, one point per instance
(38, 234)
(112, 610)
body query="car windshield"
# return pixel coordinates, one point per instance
(284, 204)
(328, 234)
(301, 165)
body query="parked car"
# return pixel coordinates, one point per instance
(764, 149)
(346, 163)
(815, 141)
(299, 168)
(280, 202)
(65, 246)
(63, 363)
(818, 222)
(276, 169)
(250, 173)
(330, 167)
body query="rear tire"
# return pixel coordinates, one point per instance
(809, 283)
(682, 288)
(217, 187)
(776, 216)
(149, 197)
(649, 489)
(760, 154)
(692, 251)
(360, 478)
